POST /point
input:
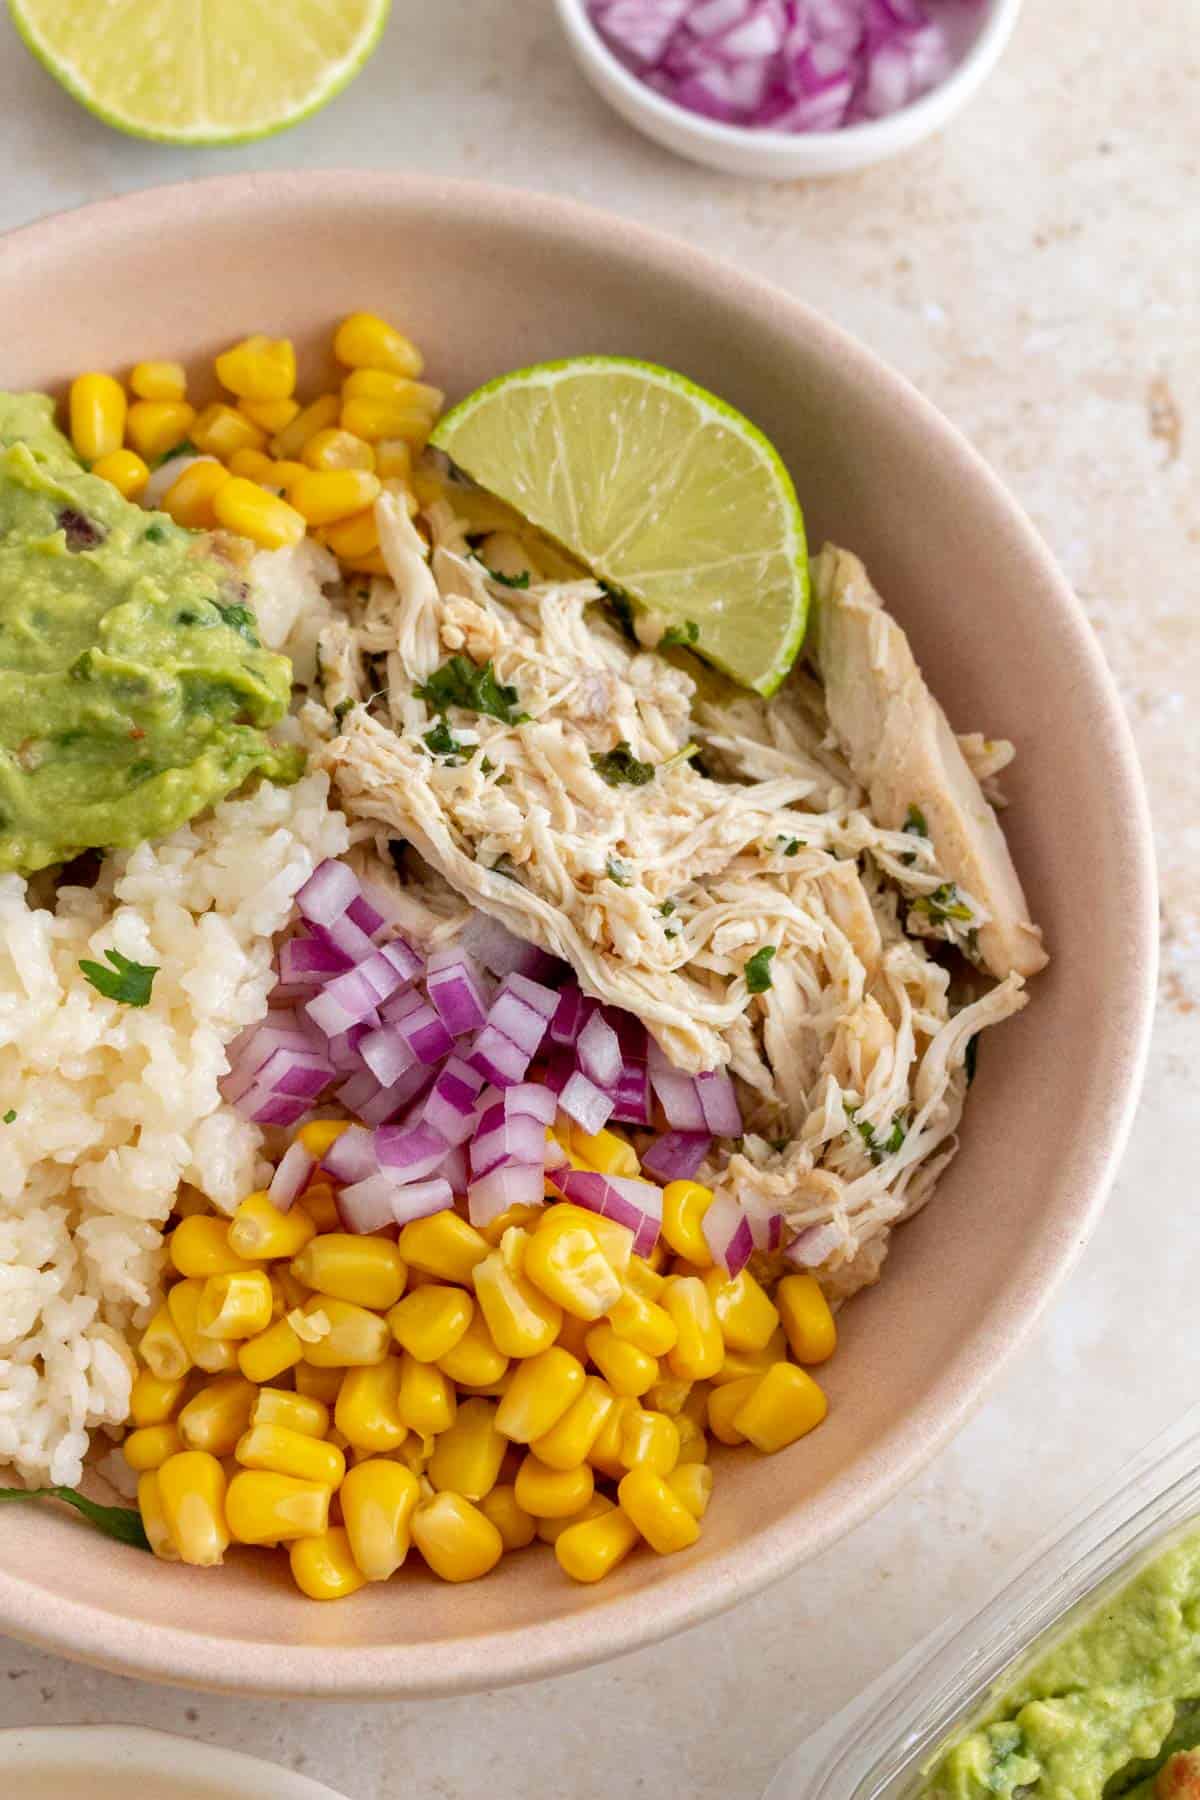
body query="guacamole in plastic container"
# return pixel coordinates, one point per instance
(1080, 1681)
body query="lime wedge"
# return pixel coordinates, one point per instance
(201, 71)
(660, 489)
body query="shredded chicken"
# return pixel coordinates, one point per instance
(580, 818)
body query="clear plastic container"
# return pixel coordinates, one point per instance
(883, 1744)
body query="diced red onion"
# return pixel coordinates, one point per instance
(718, 1101)
(345, 936)
(454, 1168)
(449, 1106)
(308, 961)
(553, 1154)
(361, 912)
(349, 999)
(766, 1225)
(631, 1095)
(536, 995)
(501, 952)
(420, 1199)
(415, 1018)
(677, 1155)
(631, 1033)
(810, 1249)
(286, 1075)
(679, 1098)
(409, 1153)
(497, 1058)
(589, 1106)
(279, 1030)
(510, 1184)
(343, 1050)
(351, 1156)
(366, 1205)
(390, 970)
(598, 1052)
(267, 1108)
(330, 891)
(559, 1071)
(569, 1016)
(455, 987)
(380, 1105)
(530, 1097)
(727, 1233)
(291, 1176)
(518, 1022)
(387, 1053)
(516, 1140)
(635, 1204)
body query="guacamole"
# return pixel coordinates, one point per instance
(133, 688)
(1110, 1710)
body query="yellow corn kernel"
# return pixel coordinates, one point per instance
(604, 1150)
(323, 1567)
(320, 1135)
(149, 1446)
(271, 1353)
(669, 1395)
(649, 1437)
(215, 1356)
(255, 465)
(367, 1412)
(700, 1348)
(431, 1320)
(643, 1279)
(191, 1488)
(378, 1499)
(162, 1348)
(235, 1306)
(564, 1259)
(318, 415)
(373, 417)
(572, 1438)
(467, 1456)
(272, 416)
(394, 460)
(550, 1530)
(458, 1542)
(692, 1485)
(319, 1384)
(517, 1216)
(368, 1270)
(258, 368)
(693, 1444)
(747, 1318)
(200, 1246)
(285, 1452)
(615, 1241)
(724, 1403)
(264, 1507)
(475, 1361)
(517, 1528)
(684, 1206)
(414, 1453)
(152, 1401)
(353, 538)
(158, 380)
(153, 427)
(807, 1320)
(627, 1370)
(97, 409)
(425, 1401)
(215, 1418)
(154, 1522)
(259, 1231)
(752, 1362)
(644, 1323)
(783, 1405)
(365, 341)
(552, 1493)
(605, 1453)
(592, 1549)
(657, 1511)
(336, 449)
(325, 496)
(394, 390)
(521, 1319)
(124, 470)
(276, 1406)
(540, 1392)
(356, 1337)
(189, 499)
(572, 1335)
(373, 564)
(443, 1245)
(320, 1203)
(243, 507)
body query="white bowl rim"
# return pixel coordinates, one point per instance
(673, 1602)
(143, 1752)
(871, 139)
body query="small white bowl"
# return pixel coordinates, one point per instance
(783, 155)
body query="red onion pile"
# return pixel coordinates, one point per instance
(787, 65)
(434, 1059)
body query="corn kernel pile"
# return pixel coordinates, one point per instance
(463, 1391)
(272, 468)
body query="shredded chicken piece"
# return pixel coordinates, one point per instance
(580, 820)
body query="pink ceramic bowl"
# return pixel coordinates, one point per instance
(487, 280)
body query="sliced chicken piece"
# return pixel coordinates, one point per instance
(899, 744)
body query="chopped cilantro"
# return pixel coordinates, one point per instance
(128, 982)
(520, 581)
(621, 768)
(460, 683)
(341, 709)
(687, 633)
(789, 846)
(971, 1057)
(915, 825)
(617, 871)
(184, 447)
(121, 1522)
(11, 1114)
(242, 621)
(672, 931)
(758, 969)
(154, 534)
(943, 904)
(877, 1148)
(667, 908)
(442, 742)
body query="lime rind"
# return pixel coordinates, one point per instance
(711, 407)
(339, 77)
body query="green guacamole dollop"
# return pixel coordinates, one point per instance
(1105, 1712)
(133, 689)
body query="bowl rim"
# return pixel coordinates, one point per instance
(866, 141)
(675, 1600)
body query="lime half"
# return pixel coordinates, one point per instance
(660, 489)
(201, 71)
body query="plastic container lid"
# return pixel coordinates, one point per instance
(879, 1747)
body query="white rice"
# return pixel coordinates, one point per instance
(116, 1105)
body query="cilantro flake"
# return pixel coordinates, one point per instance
(520, 581)
(442, 742)
(789, 846)
(758, 969)
(129, 982)
(681, 635)
(617, 871)
(667, 908)
(877, 1148)
(943, 904)
(459, 682)
(341, 709)
(154, 534)
(121, 1522)
(240, 619)
(11, 1114)
(621, 768)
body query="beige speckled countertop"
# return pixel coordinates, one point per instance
(1035, 271)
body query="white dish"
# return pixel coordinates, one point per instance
(107, 1762)
(783, 155)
